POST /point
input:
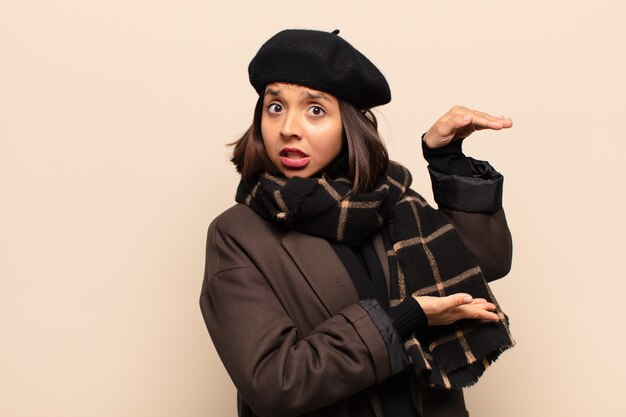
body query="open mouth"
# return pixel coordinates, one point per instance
(293, 158)
(292, 153)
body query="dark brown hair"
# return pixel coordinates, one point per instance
(367, 157)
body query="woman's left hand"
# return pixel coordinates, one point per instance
(460, 122)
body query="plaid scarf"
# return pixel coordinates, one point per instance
(425, 254)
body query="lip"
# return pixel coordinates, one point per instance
(294, 158)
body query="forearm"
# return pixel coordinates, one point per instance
(487, 237)
(469, 194)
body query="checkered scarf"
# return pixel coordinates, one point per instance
(425, 254)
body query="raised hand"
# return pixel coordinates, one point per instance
(460, 122)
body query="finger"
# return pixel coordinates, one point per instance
(506, 122)
(489, 316)
(456, 300)
(482, 303)
(471, 312)
(465, 110)
(485, 305)
(482, 122)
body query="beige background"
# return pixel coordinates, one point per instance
(113, 117)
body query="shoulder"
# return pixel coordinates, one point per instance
(241, 221)
(238, 236)
(235, 217)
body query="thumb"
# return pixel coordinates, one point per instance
(459, 299)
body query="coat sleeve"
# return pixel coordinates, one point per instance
(278, 371)
(487, 237)
(469, 193)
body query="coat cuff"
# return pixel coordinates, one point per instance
(398, 359)
(481, 193)
(460, 182)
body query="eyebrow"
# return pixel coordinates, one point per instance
(271, 92)
(315, 96)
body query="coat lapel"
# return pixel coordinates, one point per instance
(323, 270)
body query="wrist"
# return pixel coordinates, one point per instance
(427, 142)
(408, 317)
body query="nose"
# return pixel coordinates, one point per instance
(291, 127)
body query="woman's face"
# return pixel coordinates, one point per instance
(301, 128)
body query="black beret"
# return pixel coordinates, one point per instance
(320, 60)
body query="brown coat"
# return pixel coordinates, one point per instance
(282, 313)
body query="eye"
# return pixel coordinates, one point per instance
(316, 111)
(274, 108)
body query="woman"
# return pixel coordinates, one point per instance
(332, 288)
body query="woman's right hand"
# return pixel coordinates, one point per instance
(447, 310)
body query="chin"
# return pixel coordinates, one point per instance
(299, 174)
